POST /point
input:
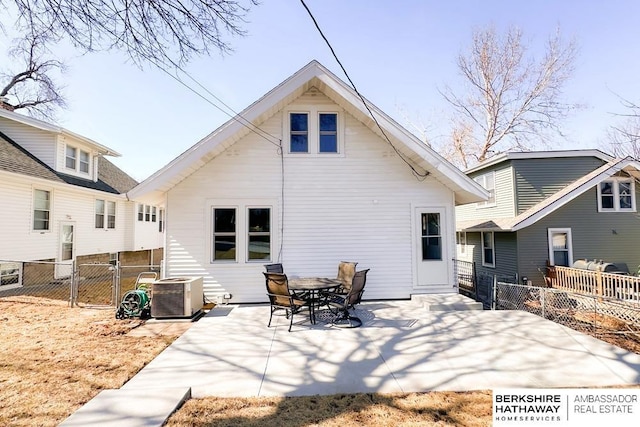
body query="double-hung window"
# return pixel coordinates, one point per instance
(76, 160)
(313, 132)
(488, 182)
(259, 234)
(560, 248)
(488, 250)
(224, 234)
(105, 209)
(71, 156)
(84, 162)
(617, 195)
(299, 137)
(41, 210)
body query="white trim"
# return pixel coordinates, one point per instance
(522, 155)
(550, 233)
(493, 248)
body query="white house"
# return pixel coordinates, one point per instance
(306, 177)
(62, 200)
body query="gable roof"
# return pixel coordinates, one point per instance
(312, 75)
(556, 200)
(520, 155)
(15, 159)
(48, 127)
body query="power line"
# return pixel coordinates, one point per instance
(364, 102)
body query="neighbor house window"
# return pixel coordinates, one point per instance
(140, 212)
(328, 136)
(99, 213)
(147, 213)
(560, 248)
(461, 240)
(84, 161)
(488, 250)
(299, 132)
(616, 195)
(224, 234)
(160, 220)
(431, 237)
(259, 234)
(71, 155)
(488, 182)
(113, 258)
(153, 213)
(41, 209)
(105, 210)
(9, 274)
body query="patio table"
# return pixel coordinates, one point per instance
(313, 285)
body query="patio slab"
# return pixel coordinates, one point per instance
(401, 347)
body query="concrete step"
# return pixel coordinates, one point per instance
(129, 407)
(446, 302)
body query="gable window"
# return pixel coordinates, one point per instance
(41, 209)
(488, 250)
(328, 132)
(617, 195)
(431, 238)
(299, 137)
(259, 234)
(488, 182)
(224, 234)
(560, 248)
(71, 154)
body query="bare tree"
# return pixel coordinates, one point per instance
(30, 83)
(509, 101)
(623, 139)
(165, 33)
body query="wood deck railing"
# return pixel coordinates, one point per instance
(596, 283)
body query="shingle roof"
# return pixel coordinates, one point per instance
(15, 159)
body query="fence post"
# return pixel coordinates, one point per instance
(494, 297)
(73, 284)
(543, 292)
(599, 283)
(116, 283)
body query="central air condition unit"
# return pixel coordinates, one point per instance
(176, 297)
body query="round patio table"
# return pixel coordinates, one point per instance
(313, 285)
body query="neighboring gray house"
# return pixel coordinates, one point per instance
(307, 178)
(551, 207)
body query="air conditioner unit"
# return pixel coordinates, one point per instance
(176, 297)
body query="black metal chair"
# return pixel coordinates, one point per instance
(274, 268)
(280, 298)
(340, 303)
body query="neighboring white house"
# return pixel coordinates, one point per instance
(62, 200)
(304, 176)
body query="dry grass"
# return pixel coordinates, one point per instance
(55, 358)
(342, 410)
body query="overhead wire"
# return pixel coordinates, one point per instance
(364, 102)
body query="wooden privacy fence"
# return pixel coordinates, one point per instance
(594, 282)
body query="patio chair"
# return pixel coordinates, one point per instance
(340, 303)
(274, 268)
(346, 271)
(280, 298)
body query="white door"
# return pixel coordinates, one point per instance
(431, 248)
(64, 267)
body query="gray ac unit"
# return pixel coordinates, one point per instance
(176, 297)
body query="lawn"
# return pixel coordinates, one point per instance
(55, 359)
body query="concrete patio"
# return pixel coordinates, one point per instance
(402, 346)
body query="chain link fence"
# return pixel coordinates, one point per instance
(85, 285)
(597, 315)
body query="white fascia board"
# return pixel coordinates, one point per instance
(519, 155)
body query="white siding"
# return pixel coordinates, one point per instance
(68, 204)
(40, 143)
(356, 207)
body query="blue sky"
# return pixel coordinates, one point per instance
(398, 54)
